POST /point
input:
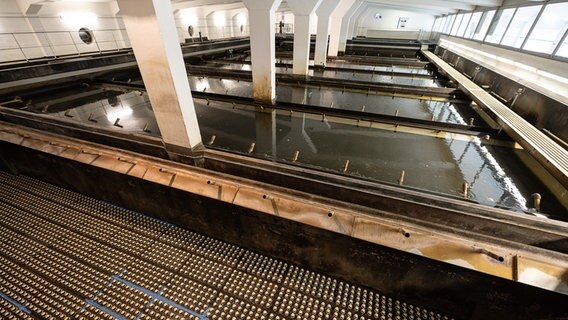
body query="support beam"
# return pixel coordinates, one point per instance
(346, 23)
(262, 42)
(323, 12)
(336, 22)
(441, 4)
(303, 10)
(152, 31)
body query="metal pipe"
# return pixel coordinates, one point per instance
(536, 201)
(251, 148)
(296, 155)
(465, 190)
(346, 166)
(491, 254)
(16, 99)
(117, 124)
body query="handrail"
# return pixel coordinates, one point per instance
(26, 46)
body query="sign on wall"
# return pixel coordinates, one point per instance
(402, 22)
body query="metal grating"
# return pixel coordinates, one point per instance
(64, 255)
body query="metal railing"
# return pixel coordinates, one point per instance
(26, 46)
(412, 34)
(212, 33)
(285, 28)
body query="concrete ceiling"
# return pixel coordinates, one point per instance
(426, 6)
(435, 7)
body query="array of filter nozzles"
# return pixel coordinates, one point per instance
(90, 259)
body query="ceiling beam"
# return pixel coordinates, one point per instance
(183, 4)
(439, 4)
(483, 3)
(412, 8)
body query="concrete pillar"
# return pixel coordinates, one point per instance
(262, 42)
(303, 10)
(323, 12)
(212, 31)
(152, 31)
(335, 28)
(346, 23)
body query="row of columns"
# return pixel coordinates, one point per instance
(152, 32)
(261, 17)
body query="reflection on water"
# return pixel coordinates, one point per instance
(351, 75)
(132, 110)
(440, 164)
(336, 98)
(434, 164)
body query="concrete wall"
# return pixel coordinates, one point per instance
(214, 24)
(28, 34)
(42, 30)
(388, 24)
(547, 76)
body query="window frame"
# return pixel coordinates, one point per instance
(553, 56)
(542, 6)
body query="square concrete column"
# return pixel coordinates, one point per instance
(336, 23)
(262, 42)
(303, 10)
(323, 12)
(152, 31)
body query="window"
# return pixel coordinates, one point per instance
(463, 25)
(436, 24)
(563, 50)
(484, 24)
(457, 24)
(498, 29)
(449, 23)
(549, 29)
(520, 26)
(472, 25)
(442, 24)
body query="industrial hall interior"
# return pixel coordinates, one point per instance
(284, 159)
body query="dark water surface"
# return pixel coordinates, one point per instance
(438, 163)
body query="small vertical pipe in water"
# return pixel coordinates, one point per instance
(465, 190)
(251, 148)
(296, 155)
(536, 201)
(346, 166)
(401, 178)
